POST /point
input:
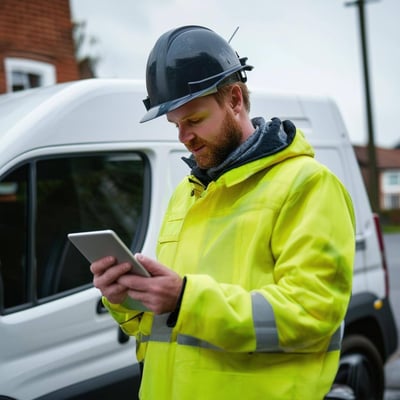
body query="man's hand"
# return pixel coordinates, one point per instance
(105, 278)
(160, 292)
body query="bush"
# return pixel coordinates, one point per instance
(390, 220)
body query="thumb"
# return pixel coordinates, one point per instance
(153, 266)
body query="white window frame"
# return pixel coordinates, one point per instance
(391, 201)
(46, 71)
(388, 186)
(391, 190)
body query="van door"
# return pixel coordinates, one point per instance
(55, 334)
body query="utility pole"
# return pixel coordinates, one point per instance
(373, 170)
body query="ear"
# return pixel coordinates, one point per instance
(236, 99)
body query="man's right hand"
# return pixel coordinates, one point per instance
(105, 278)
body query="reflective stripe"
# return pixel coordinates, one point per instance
(265, 329)
(192, 341)
(266, 332)
(264, 324)
(184, 340)
(160, 332)
(336, 340)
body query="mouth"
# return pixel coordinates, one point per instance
(196, 149)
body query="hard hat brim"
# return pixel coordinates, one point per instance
(168, 106)
(229, 76)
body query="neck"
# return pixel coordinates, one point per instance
(247, 128)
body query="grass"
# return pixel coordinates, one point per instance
(391, 228)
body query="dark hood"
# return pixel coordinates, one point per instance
(268, 138)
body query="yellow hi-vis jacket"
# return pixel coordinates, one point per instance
(267, 253)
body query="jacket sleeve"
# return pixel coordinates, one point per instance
(313, 244)
(128, 320)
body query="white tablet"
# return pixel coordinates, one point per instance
(98, 244)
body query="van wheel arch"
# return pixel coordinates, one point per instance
(361, 368)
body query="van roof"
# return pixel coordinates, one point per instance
(109, 110)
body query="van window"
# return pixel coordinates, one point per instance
(13, 246)
(67, 194)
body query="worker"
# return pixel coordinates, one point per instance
(253, 275)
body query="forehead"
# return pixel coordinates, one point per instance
(198, 105)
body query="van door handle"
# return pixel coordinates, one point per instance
(100, 309)
(361, 244)
(122, 336)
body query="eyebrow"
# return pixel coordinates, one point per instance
(181, 120)
(188, 116)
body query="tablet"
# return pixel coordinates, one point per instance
(98, 244)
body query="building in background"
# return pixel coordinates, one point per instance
(388, 163)
(37, 45)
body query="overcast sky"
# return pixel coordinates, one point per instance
(309, 47)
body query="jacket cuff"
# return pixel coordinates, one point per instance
(173, 317)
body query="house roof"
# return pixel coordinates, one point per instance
(386, 158)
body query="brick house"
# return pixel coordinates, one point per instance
(36, 44)
(388, 163)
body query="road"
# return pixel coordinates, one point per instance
(392, 244)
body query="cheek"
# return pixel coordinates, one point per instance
(211, 131)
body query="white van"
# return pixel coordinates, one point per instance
(74, 157)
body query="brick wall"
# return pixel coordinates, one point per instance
(39, 30)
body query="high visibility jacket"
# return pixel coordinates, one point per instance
(267, 253)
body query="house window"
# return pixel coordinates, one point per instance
(392, 201)
(391, 189)
(24, 74)
(392, 179)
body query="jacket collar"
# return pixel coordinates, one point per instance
(269, 138)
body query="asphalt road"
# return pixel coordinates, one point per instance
(392, 244)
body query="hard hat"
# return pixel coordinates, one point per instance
(186, 63)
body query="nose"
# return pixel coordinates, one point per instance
(185, 134)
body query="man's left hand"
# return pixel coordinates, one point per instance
(160, 292)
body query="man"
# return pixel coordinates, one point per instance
(255, 254)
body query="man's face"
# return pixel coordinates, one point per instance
(209, 131)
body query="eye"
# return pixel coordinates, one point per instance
(194, 121)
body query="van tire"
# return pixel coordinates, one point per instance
(361, 368)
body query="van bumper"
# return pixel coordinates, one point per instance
(373, 317)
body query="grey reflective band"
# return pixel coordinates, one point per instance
(192, 341)
(160, 332)
(267, 334)
(267, 340)
(336, 339)
(264, 324)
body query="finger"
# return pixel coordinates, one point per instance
(134, 282)
(100, 266)
(149, 301)
(153, 266)
(115, 293)
(113, 273)
(157, 304)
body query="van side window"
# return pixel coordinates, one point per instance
(72, 194)
(13, 245)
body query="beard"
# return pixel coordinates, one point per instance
(217, 150)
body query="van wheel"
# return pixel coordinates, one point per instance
(361, 368)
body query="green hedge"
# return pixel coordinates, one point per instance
(390, 220)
